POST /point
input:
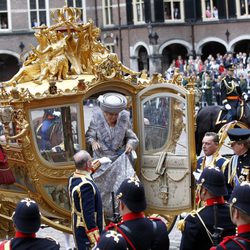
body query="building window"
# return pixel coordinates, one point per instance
(173, 10)
(209, 10)
(138, 9)
(107, 12)
(38, 13)
(4, 23)
(78, 4)
(243, 8)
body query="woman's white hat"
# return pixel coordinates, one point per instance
(112, 102)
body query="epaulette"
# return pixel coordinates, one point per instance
(195, 211)
(181, 225)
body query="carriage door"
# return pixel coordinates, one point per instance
(166, 133)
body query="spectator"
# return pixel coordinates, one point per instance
(208, 12)
(215, 12)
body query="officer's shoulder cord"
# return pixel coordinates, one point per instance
(228, 87)
(204, 225)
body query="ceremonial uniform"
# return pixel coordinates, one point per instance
(111, 240)
(87, 216)
(22, 242)
(239, 166)
(215, 161)
(198, 227)
(231, 93)
(27, 221)
(140, 233)
(236, 242)
(239, 201)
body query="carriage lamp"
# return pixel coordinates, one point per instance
(52, 87)
(6, 114)
(81, 85)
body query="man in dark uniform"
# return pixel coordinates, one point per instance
(239, 165)
(140, 232)
(27, 221)
(240, 214)
(231, 93)
(86, 204)
(198, 228)
(111, 240)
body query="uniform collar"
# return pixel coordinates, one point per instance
(19, 234)
(214, 201)
(133, 216)
(243, 228)
(82, 172)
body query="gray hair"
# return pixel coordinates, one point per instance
(81, 158)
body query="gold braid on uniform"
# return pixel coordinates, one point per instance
(93, 235)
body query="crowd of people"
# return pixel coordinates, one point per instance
(210, 73)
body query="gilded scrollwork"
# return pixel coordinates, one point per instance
(22, 129)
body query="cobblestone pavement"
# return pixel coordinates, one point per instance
(174, 236)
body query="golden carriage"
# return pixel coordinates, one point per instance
(45, 110)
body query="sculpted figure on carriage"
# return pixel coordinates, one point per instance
(46, 109)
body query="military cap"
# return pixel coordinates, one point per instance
(240, 197)
(132, 194)
(230, 66)
(112, 102)
(27, 218)
(111, 240)
(238, 134)
(213, 180)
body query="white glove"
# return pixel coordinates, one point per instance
(228, 106)
(197, 174)
(104, 160)
(245, 96)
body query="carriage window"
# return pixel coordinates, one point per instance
(56, 132)
(163, 124)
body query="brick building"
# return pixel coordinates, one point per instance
(144, 33)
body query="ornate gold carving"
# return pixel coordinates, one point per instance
(22, 129)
